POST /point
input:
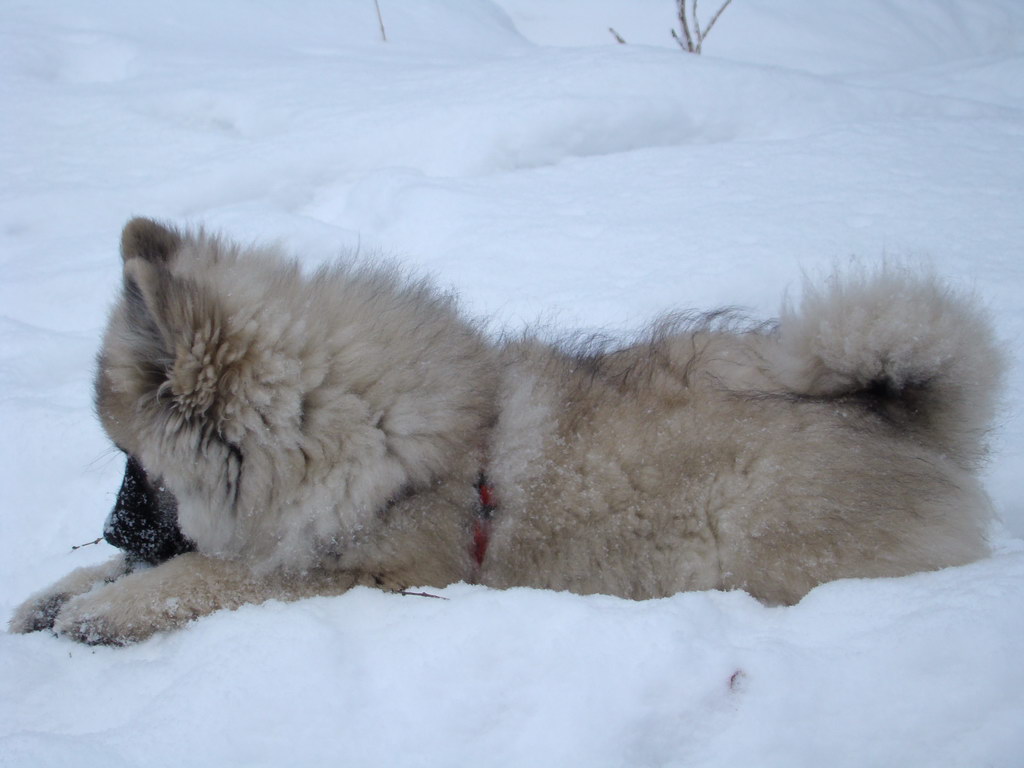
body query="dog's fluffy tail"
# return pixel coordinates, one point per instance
(906, 345)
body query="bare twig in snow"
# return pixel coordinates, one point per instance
(380, 20)
(617, 36)
(713, 18)
(693, 42)
(696, 25)
(87, 544)
(686, 27)
(407, 593)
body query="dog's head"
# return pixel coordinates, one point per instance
(279, 410)
(167, 384)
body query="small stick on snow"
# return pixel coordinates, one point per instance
(617, 36)
(696, 25)
(87, 544)
(380, 20)
(686, 29)
(407, 593)
(688, 43)
(715, 17)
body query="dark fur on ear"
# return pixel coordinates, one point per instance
(146, 239)
(147, 249)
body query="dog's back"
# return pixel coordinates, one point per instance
(841, 443)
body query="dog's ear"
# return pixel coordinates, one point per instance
(177, 329)
(150, 290)
(148, 240)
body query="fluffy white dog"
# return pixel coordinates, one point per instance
(292, 435)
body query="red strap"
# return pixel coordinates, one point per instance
(486, 496)
(481, 538)
(482, 524)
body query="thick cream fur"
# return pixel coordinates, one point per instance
(291, 409)
(325, 430)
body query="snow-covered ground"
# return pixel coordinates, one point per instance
(512, 149)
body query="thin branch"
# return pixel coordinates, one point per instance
(380, 20)
(420, 594)
(617, 36)
(87, 544)
(715, 17)
(685, 17)
(696, 26)
(686, 28)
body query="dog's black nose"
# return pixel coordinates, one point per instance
(144, 520)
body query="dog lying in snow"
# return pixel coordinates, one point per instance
(292, 434)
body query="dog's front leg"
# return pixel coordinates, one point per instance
(175, 592)
(41, 609)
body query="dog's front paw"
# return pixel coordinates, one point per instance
(38, 612)
(118, 615)
(94, 628)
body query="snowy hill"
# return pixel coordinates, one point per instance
(515, 151)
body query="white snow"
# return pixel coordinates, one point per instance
(513, 150)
